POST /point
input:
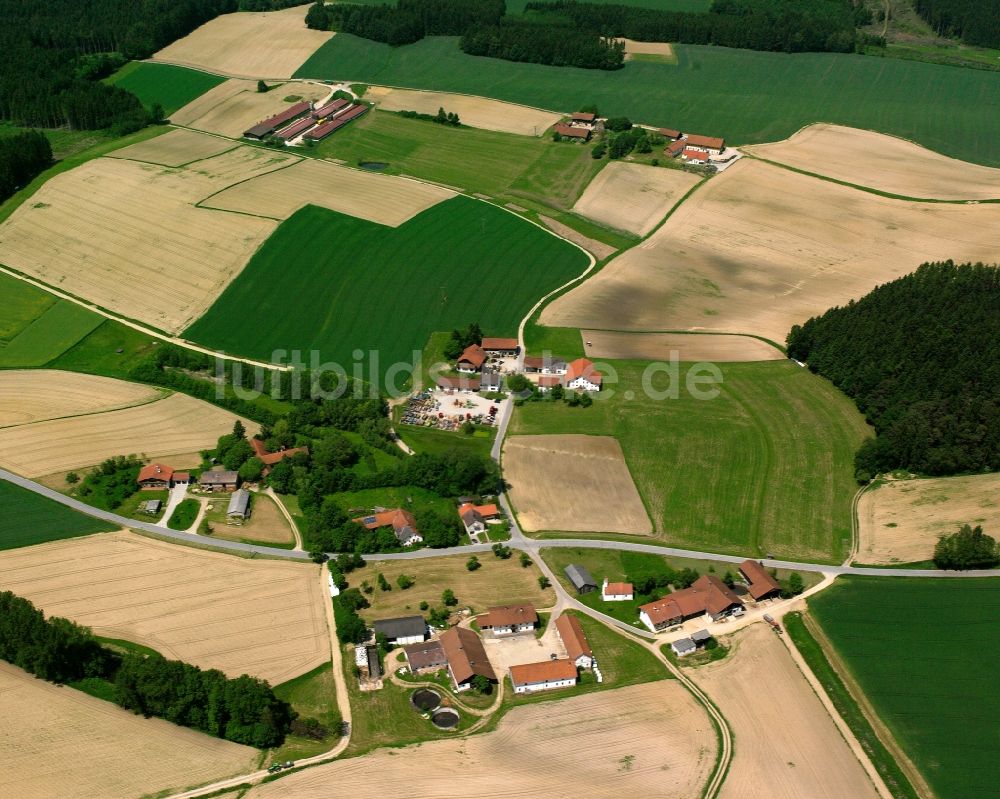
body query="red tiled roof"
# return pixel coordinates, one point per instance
(694, 155)
(470, 383)
(546, 671)
(466, 654)
(331, 108)
(581, 116)
(760, 583)
(670, 133)
(271, 458)
(707, 594)
(547, 381)
(573, 637)
(155, 471)
(474, 355)
(397, 518)
(572, 133)
(711, 142)
(482, 510)
(425, 655)
(618, 589)
(297, 127)
(508, 616)
(675, 147)
(582, 367)
(182, 477)
(259, 447)
(499, 344)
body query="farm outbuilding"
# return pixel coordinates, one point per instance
(425, 656)
(683, 646)
(509, 619)
(580, 578)
(575, 640)
(544, 676)
(265, 128)
(617, 592)
(403, 630)
(402, 522)
(471, 360)
(219, 481)
(570, 132)
(152, 506)
(239, 506)
(500, 346)
(466, 657)
(760, 584)
(155, 476)
(708, 595)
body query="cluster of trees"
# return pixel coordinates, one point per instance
(969, 548)
(557, 45)
(921, 358)
(408, 21)
(244, 710)
(973, 21)
(780, 25)
(442, 117)
(519, 384)
(22, 156)
(460, 339)
(52, 53)
(111, 483)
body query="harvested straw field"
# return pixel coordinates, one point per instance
(496, 582)
(176, 148)
(785, 738)
(476, 112)
(175, 425)
(644, 740)
(901, 520)
(634, 197)
(61, 742)
(232, 107)
(126, 235)
(573, 483)
(760, 248)
(882, 162)
(649, 51)
(248, 44)
(615, 345)
(260, 617)
(34, 395)
(384, 199)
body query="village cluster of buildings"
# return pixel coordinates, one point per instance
(306, 121)
(460, 650)
(579, 127)
(695, 148)
(707, 597)
(474, 519)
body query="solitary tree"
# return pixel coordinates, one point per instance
(448, 597)
(525, 560)
(262, 87)
(543, 581)
(481, 684)
(239, 431)
(472, 563)
(404, 581)
(72, 478)
(383, 584)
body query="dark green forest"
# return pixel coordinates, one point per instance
(244, 709)
(973, 21)
(921, 358)
(22, 156)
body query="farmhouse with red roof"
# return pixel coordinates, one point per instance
(154, 476)
(581, 374)
(403, 525)
(617, 592)
(471, 360)
(760, 584)
(531, 677)
(708, 595)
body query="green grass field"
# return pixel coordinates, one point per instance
(172, 87)
(767, 466)
(184, 514)
(745, 96)
(372, 288)
(926, 654)
(27, 518)
(55, 330)
(22, 305)
(98, 353)
(312, 696)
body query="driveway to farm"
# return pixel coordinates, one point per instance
(177, 494)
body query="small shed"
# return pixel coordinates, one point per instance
(374, 665)
(152, 506)
(580, 578)
(701, 637)
(217, 480)
(683, 646)
(239, 505)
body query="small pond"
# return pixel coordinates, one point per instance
(373, 166)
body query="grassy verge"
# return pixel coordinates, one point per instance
(184, 514)
(848, 709)
(313, 696)
(130, 507)
(164, 84)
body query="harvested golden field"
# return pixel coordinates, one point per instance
(882, 162)
(385, 199)
(496, 582)
(231, 107)
(127, 236)
(634, 197)
(266, 524)
(260, 617)
(573, 483)
(785, 739)
(34, 395)
(645, 740)
(476, 112)
(175, 425)
(176, 148)
(760, 248)
(57, 741)
(255, 45)
(615, 345)
(901, 520)
(662, 50)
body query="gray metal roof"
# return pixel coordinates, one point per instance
(701, 635)
(579, 576)
(153, 505)
(403, 627)
(683, 645)
(374, 667)
(239, 503)
(218, 477)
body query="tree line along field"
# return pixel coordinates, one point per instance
(765, 467)
(933, 684)
(746, 96)
(27, 518)
(369, 287)
(168, 86)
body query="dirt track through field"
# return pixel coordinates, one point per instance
(633, 197)
(645, 740)
(248, 44)
(34, 395)
(57, 741)
(385, 199)
(175, 148)
(614, 345)
(785, 740)
(476, 112)
(177, 424)
(760, 248)
(573, 483)
(234, 106)
(901, 521)
(259, 617)
(882, 162)
(127, 237)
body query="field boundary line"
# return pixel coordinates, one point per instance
(688, 333)
(162, 394)
(856, 522)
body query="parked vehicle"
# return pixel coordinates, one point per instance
(774, 625)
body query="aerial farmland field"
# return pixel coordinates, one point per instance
(35, 395)
(458, 262)
(27, 518)
(57, 329)
(746, 96)
(938, 700)
(767, 466)
(168, 85)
